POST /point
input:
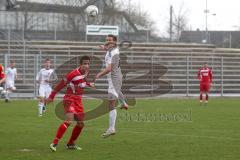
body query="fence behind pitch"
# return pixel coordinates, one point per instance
(144, 76)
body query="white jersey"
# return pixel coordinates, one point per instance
(44, 76)
(113, 57)
(11, 74)
(115, 76)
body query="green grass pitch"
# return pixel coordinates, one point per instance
(163, 129)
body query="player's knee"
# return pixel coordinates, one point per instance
(112, 104)
(41, 100)
(40, 103)
(80, 124)
(68, 123)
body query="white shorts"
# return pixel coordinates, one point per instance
(112, 93)
(10, 85)
(44, 91)
(114, 88)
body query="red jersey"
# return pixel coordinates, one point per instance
(75, 82)
(2, 75)
(205, 75)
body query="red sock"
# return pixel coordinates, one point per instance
(200, 97)
(206, 97)
(60, 132)
(75, 133)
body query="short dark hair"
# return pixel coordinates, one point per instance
(47, 59)
(113, 37)
(12, 61)
(83, 58)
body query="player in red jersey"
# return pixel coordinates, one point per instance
(205, 78)
(72, 101)
(2, 75)
(2, 79)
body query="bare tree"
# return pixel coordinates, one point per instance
(179, 22)
(137, 15)
(111, 12)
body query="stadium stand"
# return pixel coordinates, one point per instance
(179, 62)
(28, 35)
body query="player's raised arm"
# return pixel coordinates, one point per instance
(110, 60)
(103, 47)
(66, 80)
(86, 83)
(57, 88)
(104, 71)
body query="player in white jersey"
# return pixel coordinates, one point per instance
(114, 77)
(44, 78)
(11, 75)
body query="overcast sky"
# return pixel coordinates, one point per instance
(227, 13)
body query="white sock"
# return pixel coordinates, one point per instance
(40, 108)
(112, 119)
(7, 95)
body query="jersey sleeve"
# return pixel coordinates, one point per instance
(109, 59)
(38, 76)
(72, 76)
(116, 59)
(84, 83)
(69, 77)
(113, 55)
(58, 87)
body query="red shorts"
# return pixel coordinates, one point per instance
(204, 87)
(73, 104)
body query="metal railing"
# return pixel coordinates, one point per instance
(144, 76)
